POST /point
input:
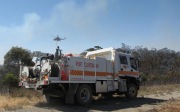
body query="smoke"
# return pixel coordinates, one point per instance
(67, 17)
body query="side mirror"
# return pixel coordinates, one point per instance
(138, 62)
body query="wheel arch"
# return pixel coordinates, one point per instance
(134, 80)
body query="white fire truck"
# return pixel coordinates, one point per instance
(79, 78)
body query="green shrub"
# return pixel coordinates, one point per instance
(10, 81)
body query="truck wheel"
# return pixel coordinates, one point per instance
(131, 91)
(84, 94)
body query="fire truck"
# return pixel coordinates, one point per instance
(77, 79)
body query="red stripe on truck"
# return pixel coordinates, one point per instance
(89, 73)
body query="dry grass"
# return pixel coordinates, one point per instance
(19, 98)
(24, 97)
(158, 89)
(170, 106)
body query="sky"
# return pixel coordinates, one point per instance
(33, 24)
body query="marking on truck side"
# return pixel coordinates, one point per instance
(127, 73)
(92, 73)
(86, 64)
(89, 73)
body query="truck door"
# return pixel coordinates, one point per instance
(128, 66)
(124, 66)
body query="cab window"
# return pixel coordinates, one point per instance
(123, 60)
(133, 63)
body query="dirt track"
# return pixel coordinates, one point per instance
(141, 104)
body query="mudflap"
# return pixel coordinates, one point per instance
(52, 92)
(69, 99)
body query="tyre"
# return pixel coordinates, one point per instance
(131, 91)
(84, 94)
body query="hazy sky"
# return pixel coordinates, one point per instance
(31, 24)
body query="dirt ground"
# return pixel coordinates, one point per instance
(149, 103)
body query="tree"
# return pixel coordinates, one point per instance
(125, 48)
(97, 47)
(16, 56)
(10, 81)
(91, 49)
(2, 71)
